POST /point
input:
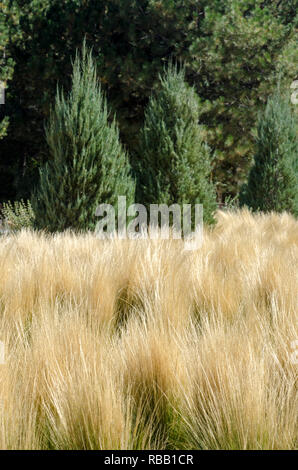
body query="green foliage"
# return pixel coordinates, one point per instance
(273, 179)
(87, 164)
(175, 162)
(18, 214)
(9, 23)
(232, 49)
(239, 49)
(231, 204)
(3, 127)
(6, 62)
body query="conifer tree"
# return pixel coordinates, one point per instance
(87, 163)
(175, 163)
(273, 179)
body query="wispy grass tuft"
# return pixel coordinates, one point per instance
(142, 345)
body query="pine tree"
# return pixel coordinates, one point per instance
(175, 163)
(204, 34)
(9, 19)
(87, 164)
(273, 179)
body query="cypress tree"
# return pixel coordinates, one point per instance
(175, 163)
(273, 179)
(87, 163)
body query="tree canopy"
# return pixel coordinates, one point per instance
(233, 52)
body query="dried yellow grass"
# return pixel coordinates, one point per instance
(142, 345)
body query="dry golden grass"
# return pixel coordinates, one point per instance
(143, 345)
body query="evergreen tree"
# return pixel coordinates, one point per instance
(9, 33)
(273, 179)
(87, 164)
(175, 163)
(232, 50)
(8, 19)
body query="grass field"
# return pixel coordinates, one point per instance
(143, 345)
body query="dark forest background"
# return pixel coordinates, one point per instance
(234, 52)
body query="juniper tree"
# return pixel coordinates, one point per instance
(204, 34)
(87, 163)
(175, 162)
(273, 179)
